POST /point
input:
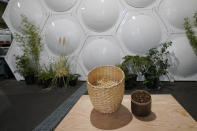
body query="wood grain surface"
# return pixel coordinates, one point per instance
(167, 115)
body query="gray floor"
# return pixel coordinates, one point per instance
(23, 107)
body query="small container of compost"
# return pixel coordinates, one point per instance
(141, 103)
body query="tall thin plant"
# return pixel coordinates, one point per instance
(61, 71)
(30, 41)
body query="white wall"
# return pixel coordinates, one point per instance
(101, 32)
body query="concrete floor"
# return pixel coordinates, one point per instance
(23, 107)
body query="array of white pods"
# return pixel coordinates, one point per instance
(101, 32)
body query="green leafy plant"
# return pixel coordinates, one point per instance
(151, 66)
(190, 33)
(157, 64)
(47, 73)
(132, 65)
(24, 66)
(30, 42)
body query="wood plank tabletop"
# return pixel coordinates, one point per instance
(167, 115)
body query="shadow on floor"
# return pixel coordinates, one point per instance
(115, 120)
(151, 117)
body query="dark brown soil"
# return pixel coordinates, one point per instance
(141, 97)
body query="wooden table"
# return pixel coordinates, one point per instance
(167, 115)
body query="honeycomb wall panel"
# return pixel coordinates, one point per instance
(60, 5)
(91, 33)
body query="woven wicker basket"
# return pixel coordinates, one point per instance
(106, 99)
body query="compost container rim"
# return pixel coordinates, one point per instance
(138, 102)
(108, 86)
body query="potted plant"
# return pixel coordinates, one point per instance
(131, 66)
(46, 75)
(156, 65)
(61, 72)
(24, 67)
(30, 43)
(73, 78)
(151, 66)
(141, 103)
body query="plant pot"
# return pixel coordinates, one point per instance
(39, 82)
(61, 81)
(154, 84)
(30, 79)
(36, 80)
(141, 103)
(131, 82)
(46, 83)
(73, 80)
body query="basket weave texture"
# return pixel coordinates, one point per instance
(106, 99)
